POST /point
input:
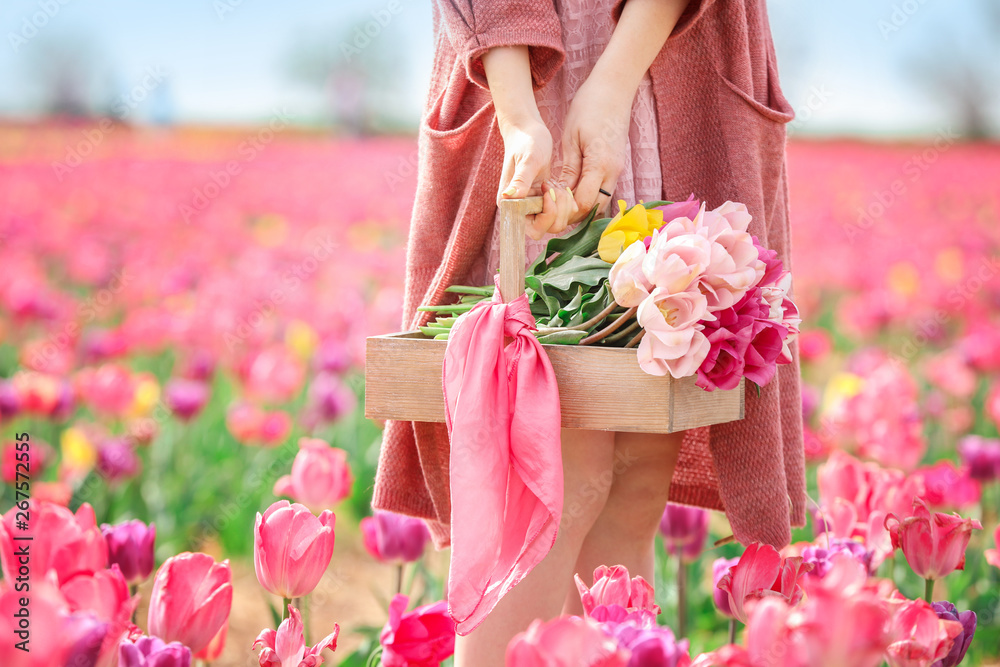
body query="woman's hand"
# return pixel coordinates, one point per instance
(594, 140)
(527, 161)
(527, 141)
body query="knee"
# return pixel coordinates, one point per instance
(584, 501)
(637, 502)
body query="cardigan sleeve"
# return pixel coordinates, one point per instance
(473, 27)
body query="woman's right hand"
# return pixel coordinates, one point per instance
(526, 172)
(527, 142)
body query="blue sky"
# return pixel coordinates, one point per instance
(849, 67)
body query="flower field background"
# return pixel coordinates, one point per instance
(183, 315)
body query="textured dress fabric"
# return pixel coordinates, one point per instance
(719, 132)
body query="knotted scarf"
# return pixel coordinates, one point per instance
(503, 418)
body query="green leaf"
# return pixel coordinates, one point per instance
(442, 336)
(568, 337)
(430, 331)
(588, 271)
(551, 302)
(570, 313)
(582, 241)
(656, 204)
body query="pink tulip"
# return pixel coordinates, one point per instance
(186, 397)
(992, 405)
(948, 371)
(993, 555)
(191, 599)
(69, 638)
(105, 595)
(566, 641)
(815, 345)
(287, 647)
(272, 375)
(215, 647)
(673, 342)
(614, 588)
(919, 637)
(729, 655)
(292, 548)
(673, 263)
(320, 475)
(684, 530)
(393, 537)
(761, 572)
(628, 283)
(423, 637)
(38, 456)
(948, 486)
(934, 544)
(109, 388)
(721, 568)
(62, 542)
(682, 209)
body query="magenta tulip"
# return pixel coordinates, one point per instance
(130, 547)
(292, 548)
(720, 568)
(423, 637)
(191, 599)
(186, 397)
(320, 476)
(287, 647)
(104, 595)
(934, 544)
(981, 456)
(614, 588)
(684, 530)
(566, 640)
(393, 537)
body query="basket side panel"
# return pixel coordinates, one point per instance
(403, 378)
(696, 407)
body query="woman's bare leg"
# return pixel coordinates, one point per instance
(625, 531)
(587, 460)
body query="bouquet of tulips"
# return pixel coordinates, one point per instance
(689, 286)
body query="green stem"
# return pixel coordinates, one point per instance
(596, 319)
(623, 333)
(929, 590)
(399, 578)
(451, 308)
(635, 341)
(285, 603)
(465, 289)
(304, 608)
(732, 631)
(681, 599)
(611, 328)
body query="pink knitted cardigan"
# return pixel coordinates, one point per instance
(721, 117)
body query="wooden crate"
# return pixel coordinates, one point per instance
(599, 388)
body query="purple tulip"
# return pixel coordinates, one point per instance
(329, 397)
(199, 366)
(394, 537)
(10, 404)
(117, 460)
(719, 569)
(130, 547)
(66, 403)
(87, 634)
(153, 652)
(684, 530)
(822, 557)
(186, 397)
(981, 456)
(947, 611)
(650, 646)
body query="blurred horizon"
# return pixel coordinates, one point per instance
(870, 69)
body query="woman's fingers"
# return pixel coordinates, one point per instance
(572, 160)
(557, 208)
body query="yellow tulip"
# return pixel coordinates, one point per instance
(147, 393)
(78, 452)
(301, 339)
(627, 227)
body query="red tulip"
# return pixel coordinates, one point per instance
(287, 647)
(566, 640)
(761, 572)
(993, 555)
(292, 548)
(191, 599)
(62, 542)
(919, 637)
(320, 476)
(934, 544)
(613, 587)
(391, 537)
(423, 637)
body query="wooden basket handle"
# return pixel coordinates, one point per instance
(513, 222)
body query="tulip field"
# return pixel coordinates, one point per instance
(187, 470)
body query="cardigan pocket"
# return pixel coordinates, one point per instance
(766, 100)
(460, 105)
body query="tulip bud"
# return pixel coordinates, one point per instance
(425, 635)
(394, 537)
(934, 545)
(130, 547)
(684, 530)
(292, 548)
(946, 611)
(720, 568)
(185, 397)
(320, 476)
(153, 652)
(191, 599)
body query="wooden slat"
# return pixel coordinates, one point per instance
(513, 222)
(599, 389)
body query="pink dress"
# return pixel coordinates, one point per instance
(586, 29)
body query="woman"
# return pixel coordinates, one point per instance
(586, 101)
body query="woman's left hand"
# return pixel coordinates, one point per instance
(594, 140)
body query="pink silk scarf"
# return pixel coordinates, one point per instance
(503, 417)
